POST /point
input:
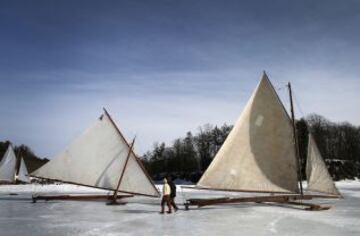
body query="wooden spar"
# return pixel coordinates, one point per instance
(122, 173)
(234, 190)
(5, 182)
(91, 186)
(295, 140)
(250, 191)
(278, 198)
(18, 163)
(284, 199)
(80, 197)
(321, 195)
(16, 170)
(137, 159)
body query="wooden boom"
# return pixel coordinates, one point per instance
(285, 199)
(80, 197)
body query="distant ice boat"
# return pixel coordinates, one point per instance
(318, 177)
(10, 172)
(23, 175)
(100, 158)
(260, 155)
(8, 166)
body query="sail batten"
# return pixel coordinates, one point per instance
(96, 159)
(259, 153)
(7, 166)
(318, 177)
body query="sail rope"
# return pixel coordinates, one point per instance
(301, 111)
(281, 87)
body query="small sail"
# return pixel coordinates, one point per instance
(318, 177)
(259, 153)
(23, 172)
(7, 166)
(97, 159)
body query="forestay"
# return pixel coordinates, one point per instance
(318, 177)
(23, 172)
(7, 165)
(97, 159)
(259, 153)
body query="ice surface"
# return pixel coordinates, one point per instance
(18, 216)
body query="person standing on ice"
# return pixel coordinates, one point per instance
(172, 193)
(166, 197)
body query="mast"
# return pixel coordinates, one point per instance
(136, 157)
(295, 139)
(16, 170)
(18, 164)
(122, 173)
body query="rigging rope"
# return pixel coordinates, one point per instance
(344, 170)
(298, 104)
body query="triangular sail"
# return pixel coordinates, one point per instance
(259, 153)
(97, 159)
(318, 177)
(7, 166)
(23, 172)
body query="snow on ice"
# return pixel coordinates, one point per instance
(19, 216)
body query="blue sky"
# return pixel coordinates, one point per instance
(162, 68)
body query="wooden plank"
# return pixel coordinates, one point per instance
(80, 197)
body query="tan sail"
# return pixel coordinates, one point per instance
(7, 166)
(318, 177)
(259, 153)
(97, 159)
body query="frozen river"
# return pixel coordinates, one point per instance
(19, 216)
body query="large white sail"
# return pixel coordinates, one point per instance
(23, 172)
(318, 177)
(7, 166)
(97, 159)
(259, 153)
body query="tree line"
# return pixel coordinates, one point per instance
(32, 161)
(188, 157)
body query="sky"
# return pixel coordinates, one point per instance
(162, 68)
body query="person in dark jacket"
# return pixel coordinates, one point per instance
(172, 193)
